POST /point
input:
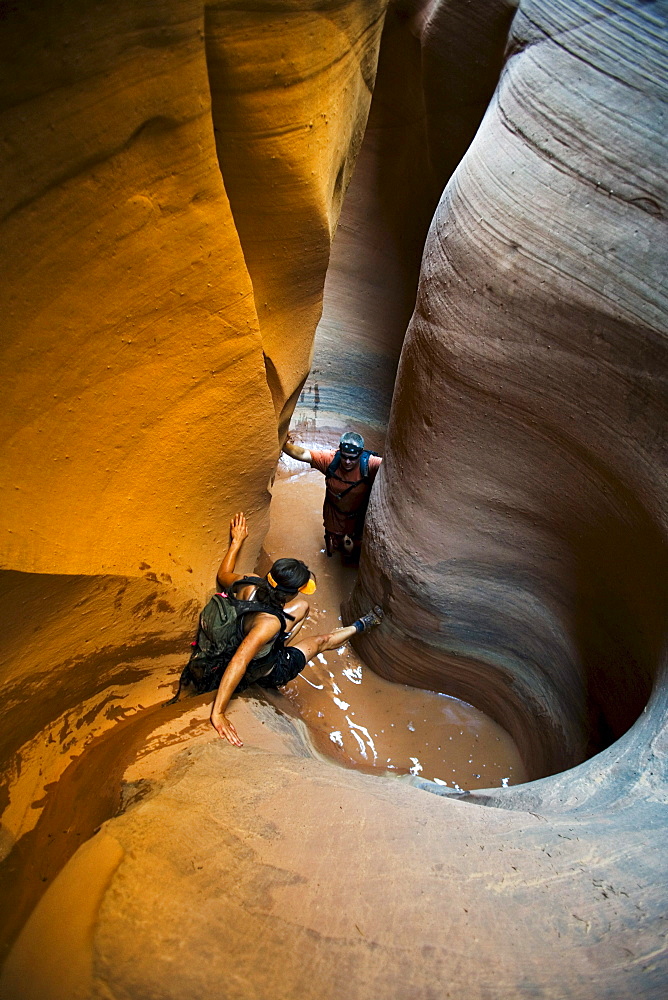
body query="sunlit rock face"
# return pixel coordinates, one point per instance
(517, 533)
(171, 179)
(159, 314)
(291, 86)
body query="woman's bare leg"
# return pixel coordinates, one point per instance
(314, 644)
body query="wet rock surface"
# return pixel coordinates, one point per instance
(264, 872)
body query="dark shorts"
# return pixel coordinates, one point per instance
(285, 663)
(288, 662)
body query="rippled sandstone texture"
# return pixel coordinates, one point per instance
(527, 436)
(438, 67)
(267, 872)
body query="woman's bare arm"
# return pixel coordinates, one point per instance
(238, 532)
(264, 629)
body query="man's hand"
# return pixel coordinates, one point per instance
(225, 729)
(238, 528)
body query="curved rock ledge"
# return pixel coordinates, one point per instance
(290, 877)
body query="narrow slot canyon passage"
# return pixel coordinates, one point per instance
(352, 716)
(437, 223)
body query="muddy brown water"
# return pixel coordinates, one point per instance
(354, 716)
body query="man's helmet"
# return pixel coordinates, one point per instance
(351, 445)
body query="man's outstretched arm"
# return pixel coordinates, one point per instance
(296, 451)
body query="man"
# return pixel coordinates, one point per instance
(349, 475)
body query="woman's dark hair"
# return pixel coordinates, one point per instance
(289, 575)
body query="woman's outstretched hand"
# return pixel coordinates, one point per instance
(225, 729)
(238, 528)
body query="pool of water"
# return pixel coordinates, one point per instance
(353, 715)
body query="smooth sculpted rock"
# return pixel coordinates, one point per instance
(129, 327)
(159, 313)
(516, 538)
(438, 67)
(291, 85)
(170, 182)
(262, 872)
(517, 535)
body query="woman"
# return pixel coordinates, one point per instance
(262, 655)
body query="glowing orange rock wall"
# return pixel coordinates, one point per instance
(138, 411)
(291, 88)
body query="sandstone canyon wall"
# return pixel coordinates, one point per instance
(527, 435)
(160, 313)
(438, 67)
(173, 180)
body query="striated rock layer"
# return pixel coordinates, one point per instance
(516, 536)
(438, 67)
(518, 530)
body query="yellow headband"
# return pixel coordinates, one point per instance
(308, 588)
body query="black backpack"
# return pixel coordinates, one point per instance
(218, 635)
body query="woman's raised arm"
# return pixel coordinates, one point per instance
(238, 532)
